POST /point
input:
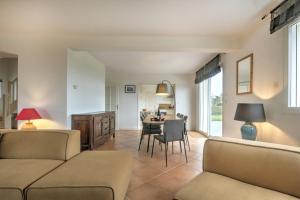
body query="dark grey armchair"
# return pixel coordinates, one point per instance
(185, 132)
(173, 131)
(148, 129)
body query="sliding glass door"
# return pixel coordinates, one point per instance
(211, 105)
(216, 105)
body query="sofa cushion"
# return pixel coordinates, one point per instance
(210, 186)
(91, 175)
(272, 166)
(17, 174)
(40, 144)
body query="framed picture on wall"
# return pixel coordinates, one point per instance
(130, 88)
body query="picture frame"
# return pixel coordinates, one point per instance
(130, 88)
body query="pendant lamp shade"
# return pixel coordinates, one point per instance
(162, 89)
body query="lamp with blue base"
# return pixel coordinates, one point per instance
(249, 113)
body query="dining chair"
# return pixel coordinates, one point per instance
(185, 118)
(178, 114)
(148, 129)
(173, 131)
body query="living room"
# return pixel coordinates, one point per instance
(124, 74)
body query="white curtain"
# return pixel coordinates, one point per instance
(204, 106)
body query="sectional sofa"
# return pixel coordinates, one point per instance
(48, 165)
(236, 169)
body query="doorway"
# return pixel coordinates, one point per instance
(150, 102)
(210, 97)
(111, 102)
(8, 90)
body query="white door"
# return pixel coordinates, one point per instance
(112, 101)
(128, 110)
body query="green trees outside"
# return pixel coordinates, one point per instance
(217, 107)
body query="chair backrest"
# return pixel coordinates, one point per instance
(185, 121)
(272, 166)
(142, 116)
(178, 114)
(173, 130)
(181, 116)
(185, 118)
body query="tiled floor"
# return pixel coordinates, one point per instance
(151, 180)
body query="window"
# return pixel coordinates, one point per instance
(294, 66)
(211, 105)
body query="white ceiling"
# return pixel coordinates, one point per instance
(133, 17)
(153, 62)
(150, 18)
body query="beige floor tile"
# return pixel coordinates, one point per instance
(136, 181)
(149, 192)
(151, 179)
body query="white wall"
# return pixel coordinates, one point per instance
(42, 62)
(128, 103)
(42, 72)
(270, 87)
(86, 84)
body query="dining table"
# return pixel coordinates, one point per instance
(148, 120)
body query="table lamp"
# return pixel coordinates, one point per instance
(28, 114)
(249, 113)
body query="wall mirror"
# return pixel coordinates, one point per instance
(244, 75)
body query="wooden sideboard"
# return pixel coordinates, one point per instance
(95, 128)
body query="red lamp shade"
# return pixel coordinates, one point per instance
(28, 114)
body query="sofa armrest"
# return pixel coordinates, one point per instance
(73, 144)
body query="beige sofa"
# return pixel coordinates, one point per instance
(244, 170)
(47, 164)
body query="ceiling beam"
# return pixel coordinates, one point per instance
(155, 43)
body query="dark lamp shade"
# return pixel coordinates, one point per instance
(28, 114)
(250, 112)
(162, 89)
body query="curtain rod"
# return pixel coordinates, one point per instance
(269, 13)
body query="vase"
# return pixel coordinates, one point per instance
(249, 131)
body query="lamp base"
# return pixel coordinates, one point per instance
(249, 131)
(28, 126)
